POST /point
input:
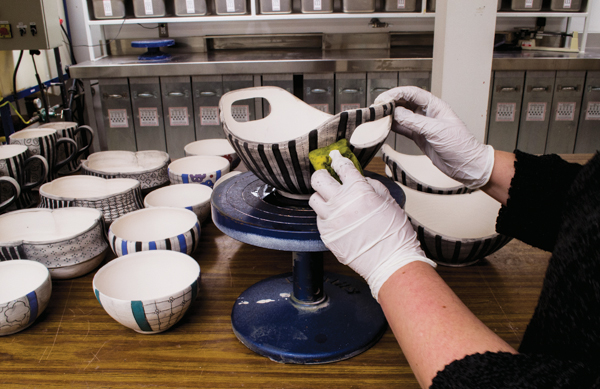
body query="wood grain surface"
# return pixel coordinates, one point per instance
(76, 344)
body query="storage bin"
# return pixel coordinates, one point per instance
(317, 6)
(230, 7)
(275, 6)
(565, 5)
(431, 4)
(149, 8)
(359, 5)
(400, 5)
(109, 9)
(526, 5)
(190, 7)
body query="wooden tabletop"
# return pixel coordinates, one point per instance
(74, 343)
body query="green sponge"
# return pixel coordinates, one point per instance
(320, 158)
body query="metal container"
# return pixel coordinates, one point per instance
(359, 5)
(190, 7)
(149, 8)
(431, 4)
(565, 5)
(242, 110)
(117, 113)
(178, 114)
(350, 91)
(317, 6)
(230, 7)
(400, 5)
(319, 91)
(109, 9)
(526, 5)
(147, 108)
(275, 6)
(588, 132)
(505, 110)
(207, 90)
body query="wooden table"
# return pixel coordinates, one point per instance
(75, 343)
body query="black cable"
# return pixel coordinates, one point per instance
(147, 28)
(40, 84)
(73, 61)
(15, 82)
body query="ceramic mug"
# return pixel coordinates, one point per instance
(15, 161)
(45, 142)
(83, 135)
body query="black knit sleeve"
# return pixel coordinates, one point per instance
(536, 199)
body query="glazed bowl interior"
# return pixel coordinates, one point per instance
(199, 164)
(209, 147)
(20, 277)
(86, 187)
(179, 195)
(126, 161)
(44, 225)
(150, 224)
(9, 151)
(146, 275)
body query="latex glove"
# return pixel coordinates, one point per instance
(361, 223)
(441, 135)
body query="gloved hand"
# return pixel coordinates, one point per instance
(362, 224)
(441, 135)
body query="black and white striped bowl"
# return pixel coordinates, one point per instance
(276, 147)
(156, 228)
(418, 172)
(454, 230)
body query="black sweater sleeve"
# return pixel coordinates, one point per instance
(536, 199)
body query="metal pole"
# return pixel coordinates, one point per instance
(308, 278)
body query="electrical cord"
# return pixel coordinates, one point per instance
(33, 53)
(15, 81)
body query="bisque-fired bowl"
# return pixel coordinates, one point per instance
(276, 147)
(148, 291)
(114, 197)
(149, 167)
(217, 147)
(70, 242)
(198, 169)
(25, 289)
(156, 228)
(196, 198)
(454, 230)
(419, 173)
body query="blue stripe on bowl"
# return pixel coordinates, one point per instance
(137, 308)
(152, 245)
(33, 306)
(185, 178)
(182, 243)
(123, 247)
(97, 293)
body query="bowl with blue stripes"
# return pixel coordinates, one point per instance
(198, 169)
(148, 291)
(196, 198)
(157, 228)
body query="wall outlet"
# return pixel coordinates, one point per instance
(163, 30)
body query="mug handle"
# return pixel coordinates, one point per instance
(16, 192)
(43, 177)
(89, 137)
(65, 142)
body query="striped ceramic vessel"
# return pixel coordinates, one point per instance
(198, 169)
(196, 198)
(83, 135)
(148, 291)
(15, 162)
(157, 228)
(276, 147)
(419, 173)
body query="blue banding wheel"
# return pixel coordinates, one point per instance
(153, 43)
(153, 46)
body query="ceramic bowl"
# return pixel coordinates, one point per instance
(25, 289)
(199, 169)
(196, 198)
(226, 177)
(218, 147)
(70, 242)
(454, 230)
(276, 147)
(148, 291)
(418, 172)
(148, 167)
(156, 228)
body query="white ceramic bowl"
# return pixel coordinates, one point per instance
(149, 167)
(114, 197)
(418, 172)
(148, 291)
(70, 242)
(196, 198)
(199, 169)
(25, 289)
(227, 176)
(454, 230)
(218, 147)
(157, 228)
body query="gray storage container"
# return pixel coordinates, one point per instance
(275, 6)
(149, 8)
(109, 9)
(230, 7)
(588, 132)
(243, 110)
(117, 114)
(317, 6)
(350, 91)
(526, 5)
(431, 4)
(207, 93)
(148, 112)
(401, 5)
(565, 5)
(505, 110)
(178, 114)
(319, 91)
(358, 5)
(190, 7)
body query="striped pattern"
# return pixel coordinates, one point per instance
(148, 180)
(400, 175)
(185, 243)
(204, 179)
(286, 165)
(452, 252)
(8, 253)
(46, 147)
(15, 167)
(33, 306)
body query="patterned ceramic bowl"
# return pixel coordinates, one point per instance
(225, 177)
(418, 172)
(196, 198)
(148, 167)
(157, 228)
(114, 197)
(218, 147)
(148, 291)
(70, 242)
(199, 169)
(25, 289)
(454, 230)
(276, 147)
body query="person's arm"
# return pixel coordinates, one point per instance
(502, 174)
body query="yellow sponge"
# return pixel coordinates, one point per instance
(320, 158)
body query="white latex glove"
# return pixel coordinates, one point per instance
(441, 135)
(362, 224)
